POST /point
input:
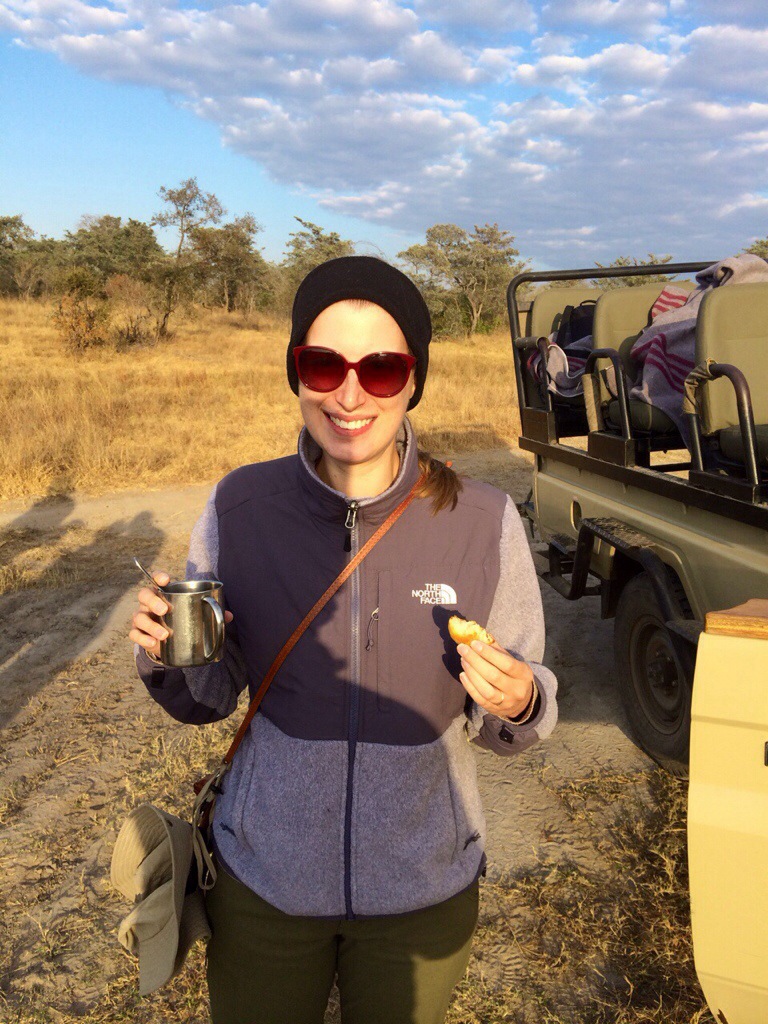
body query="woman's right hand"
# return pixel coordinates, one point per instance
(147, 630)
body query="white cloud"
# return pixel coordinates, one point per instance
(381, 110)
(749, 201)
(330, 144)
(429, 56)
(492, 15)
(635, 18)
(499, 62)
(740, 12)
(55, 16)
(554, 43)
(725, 60)
(353, 73)
(623, 64)
(380, 204)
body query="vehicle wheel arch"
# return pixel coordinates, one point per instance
(666, 574)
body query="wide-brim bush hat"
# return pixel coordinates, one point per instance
(151, 866)
(363, 277)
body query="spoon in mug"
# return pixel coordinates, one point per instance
(147, 574)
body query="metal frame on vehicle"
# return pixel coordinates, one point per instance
(602, 546)
(614, 456)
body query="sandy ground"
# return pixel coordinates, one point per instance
(75, 717)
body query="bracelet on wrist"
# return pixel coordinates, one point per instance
(526, 714)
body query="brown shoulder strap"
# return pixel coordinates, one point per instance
(316, 608)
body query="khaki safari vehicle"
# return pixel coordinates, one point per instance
(674, 540)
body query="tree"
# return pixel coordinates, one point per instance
(230, 266)
(631, 279)
(41, 267)
(15, 236)
(108, 247)
(188, 208)
(473, 268)
(306, 250)
(759, 247)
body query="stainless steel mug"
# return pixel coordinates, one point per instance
(195, 622)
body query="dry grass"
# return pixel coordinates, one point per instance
(611, 945)
(607, 946)
(59, 959)
(189, 409)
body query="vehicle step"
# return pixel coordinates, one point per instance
(564, 587)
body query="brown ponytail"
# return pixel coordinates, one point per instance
(441, 484)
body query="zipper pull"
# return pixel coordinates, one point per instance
(374, 618)
(352, 514)
(350, 523)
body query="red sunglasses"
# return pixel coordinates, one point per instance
(381, 374)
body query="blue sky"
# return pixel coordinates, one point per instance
(587, 128)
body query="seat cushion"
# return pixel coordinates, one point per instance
(732, 447)
(642, 417)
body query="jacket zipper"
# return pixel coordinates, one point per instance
(354, 704)
(350, 521)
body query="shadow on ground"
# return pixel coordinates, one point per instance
(61, 588)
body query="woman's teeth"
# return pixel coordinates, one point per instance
(350, 424)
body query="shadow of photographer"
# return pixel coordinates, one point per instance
(62, 586)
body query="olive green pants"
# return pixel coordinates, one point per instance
(267, 967)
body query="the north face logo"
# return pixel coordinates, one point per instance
(435, 593)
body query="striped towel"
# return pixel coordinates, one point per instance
(670, 359)
(671, 298)
(666, 349)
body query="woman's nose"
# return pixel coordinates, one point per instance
(350, 395)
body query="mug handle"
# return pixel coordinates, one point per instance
(218, 616)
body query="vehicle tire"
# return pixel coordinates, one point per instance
(654, 685)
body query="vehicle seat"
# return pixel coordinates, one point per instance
(732, 446)
(733, 328)
(621, 315)
(543, 319)
(547, 308)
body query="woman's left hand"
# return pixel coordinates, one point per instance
(495, 680)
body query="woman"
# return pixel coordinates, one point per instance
(349, 834)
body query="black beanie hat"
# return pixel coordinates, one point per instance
(363, 277)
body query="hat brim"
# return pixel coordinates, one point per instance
(152, 931)
(151, 863)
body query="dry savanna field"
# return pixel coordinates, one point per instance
(584, 913)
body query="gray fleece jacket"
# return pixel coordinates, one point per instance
(354, 792)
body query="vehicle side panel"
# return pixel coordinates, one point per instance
(720, 562)
(728, 826)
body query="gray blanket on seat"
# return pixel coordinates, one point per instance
(666, 349)
(565, 366)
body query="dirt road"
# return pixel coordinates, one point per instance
(82, 741)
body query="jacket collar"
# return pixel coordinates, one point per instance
(328, 503)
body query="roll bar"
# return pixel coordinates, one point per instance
(712, 370)
(587, 273)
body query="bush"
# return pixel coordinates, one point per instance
(82, 323)
(79, 282)
(133, 329)
(130, 301)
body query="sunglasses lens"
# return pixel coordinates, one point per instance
(320, 370)
(384, 374)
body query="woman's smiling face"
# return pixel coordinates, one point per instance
(352, 427)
